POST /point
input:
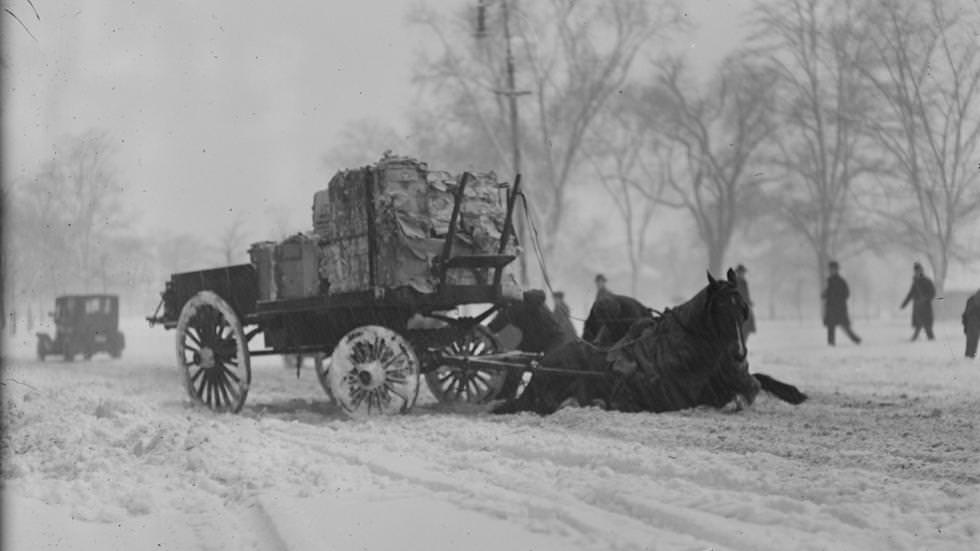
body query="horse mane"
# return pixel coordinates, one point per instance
(672, 343)
(690, 315)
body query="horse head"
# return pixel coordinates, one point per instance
(726, 311)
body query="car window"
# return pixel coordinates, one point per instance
(92, 306)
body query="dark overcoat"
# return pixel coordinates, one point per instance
(971, 313)
(540, 331)
(835, 297)
(921, 295)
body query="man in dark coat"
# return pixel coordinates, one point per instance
(562, 314)
(971, 324)
(540, 331)
(611, 317)
(921, 295)
(743, 289)
(835, 297)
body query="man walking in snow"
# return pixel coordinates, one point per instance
(743, 289)
(921, 295)
(971, 324)
(835, 297)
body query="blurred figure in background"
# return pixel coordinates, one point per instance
(600, 287)
(743, 289)
(835, 297)
(971, 324)
(562, 314)
(921, 295)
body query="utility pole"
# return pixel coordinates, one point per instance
(515, 129)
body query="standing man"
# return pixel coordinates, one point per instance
(971, 324)
(921, 295)
(563, 314)
(835, 297)
(600, 287)
(743, 289)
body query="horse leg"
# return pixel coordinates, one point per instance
(783, 391)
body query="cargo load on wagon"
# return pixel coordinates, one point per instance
(384, 226)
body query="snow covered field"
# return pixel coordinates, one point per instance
(886, 455)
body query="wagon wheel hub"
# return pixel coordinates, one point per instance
(371, 375)
(207, 357)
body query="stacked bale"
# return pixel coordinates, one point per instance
(406, 209)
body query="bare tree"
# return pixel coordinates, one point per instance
(713, 139)
(233, 241)
(571, 57)
(67, 214)
(926, 69)
(817, 47)
(620, 140)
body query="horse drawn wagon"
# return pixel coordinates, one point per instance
(396, 248)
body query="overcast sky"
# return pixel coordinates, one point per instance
(228, 105)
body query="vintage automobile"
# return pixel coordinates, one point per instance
(85, 325)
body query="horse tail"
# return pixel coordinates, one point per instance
(779, 389)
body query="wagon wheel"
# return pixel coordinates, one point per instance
(373, 371)
(212, 352)
(458, 384)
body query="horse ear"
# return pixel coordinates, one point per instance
(711, 280)
(731, 276)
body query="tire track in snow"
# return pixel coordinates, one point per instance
(597, 513)
(597, 526)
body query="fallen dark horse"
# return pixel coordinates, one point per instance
(689, 356)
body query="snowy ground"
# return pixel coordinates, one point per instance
(886, 455)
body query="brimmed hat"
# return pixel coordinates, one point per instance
(600, 277)
(558, 294)
(833, 264)
(741, 269)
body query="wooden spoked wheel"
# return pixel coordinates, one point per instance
(472, 385)
(212, 352)
(373, 371)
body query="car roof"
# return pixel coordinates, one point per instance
(63, 297)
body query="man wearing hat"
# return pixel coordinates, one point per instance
(743, 289)
(921, 295)
(835, 297)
